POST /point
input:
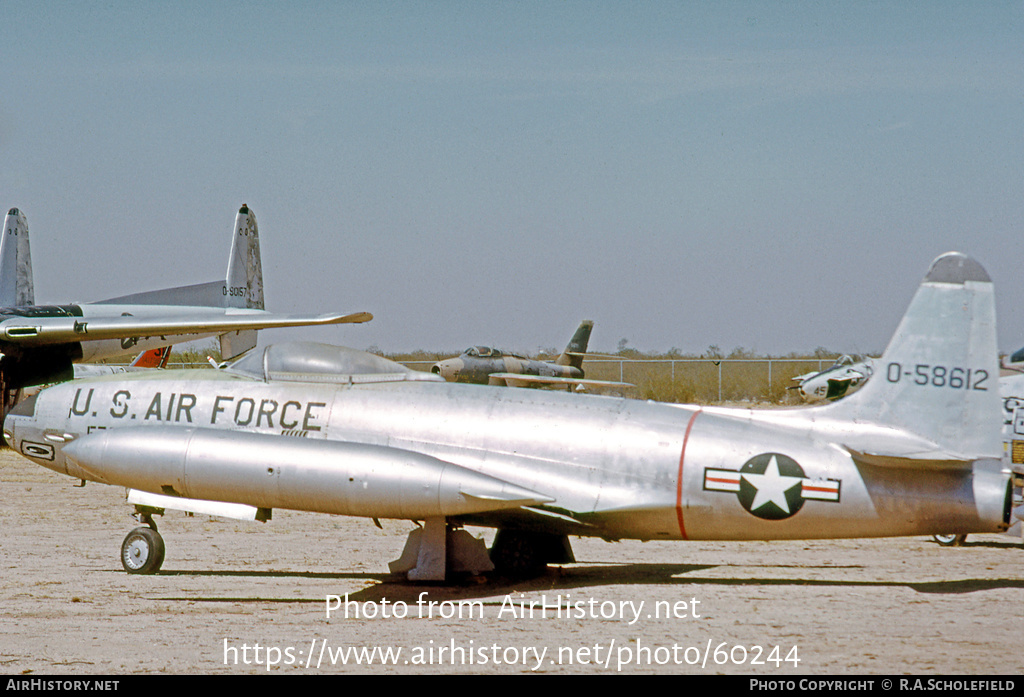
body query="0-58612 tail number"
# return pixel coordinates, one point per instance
(955, 378)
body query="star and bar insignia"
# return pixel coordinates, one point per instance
(771, 486)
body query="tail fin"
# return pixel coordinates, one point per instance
(939, 377)
(577, 348)
(16, 287)
(243, 287)
(153, 358)
(244, 284)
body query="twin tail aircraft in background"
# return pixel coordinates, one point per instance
(39, 344)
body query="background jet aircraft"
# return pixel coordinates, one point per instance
(1014, 363)
(147, 360)
(39, 343)
(842, 378)
(483, 365)
(332, 430)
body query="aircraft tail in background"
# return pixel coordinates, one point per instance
(154, 358)
(242, 287)
(16, 287)
(576, 350)
(244, 283)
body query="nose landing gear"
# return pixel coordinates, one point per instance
(142, 551)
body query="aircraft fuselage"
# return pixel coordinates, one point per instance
(613, 468)
(477, 370)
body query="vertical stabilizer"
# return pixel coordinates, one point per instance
(16, 288)
(244, 285)
(574, 352)
(153, 358)
(939, 376)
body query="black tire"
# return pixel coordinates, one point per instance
(142, 551)
(950, 540)
(518, 554)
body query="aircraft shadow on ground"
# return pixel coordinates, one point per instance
(577, 577)
(987, 544)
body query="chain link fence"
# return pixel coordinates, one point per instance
(699, 380)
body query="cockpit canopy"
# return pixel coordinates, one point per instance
(488, 352)
(482, 352)
(312, 362)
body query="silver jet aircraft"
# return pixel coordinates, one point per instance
(319, 428)
(39, 343)
(483, 365)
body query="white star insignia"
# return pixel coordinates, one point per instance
(771, 486)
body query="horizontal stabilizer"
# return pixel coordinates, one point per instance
(209, 294)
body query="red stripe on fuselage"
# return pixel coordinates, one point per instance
(823, 489)
(679, 481)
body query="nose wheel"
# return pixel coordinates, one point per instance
(142, 551)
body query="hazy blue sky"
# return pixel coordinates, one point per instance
(776, 176)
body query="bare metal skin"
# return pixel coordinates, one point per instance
(325, 429)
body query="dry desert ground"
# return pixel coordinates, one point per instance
(236, 597)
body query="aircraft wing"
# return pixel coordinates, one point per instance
(60, 330)
(520, 380)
